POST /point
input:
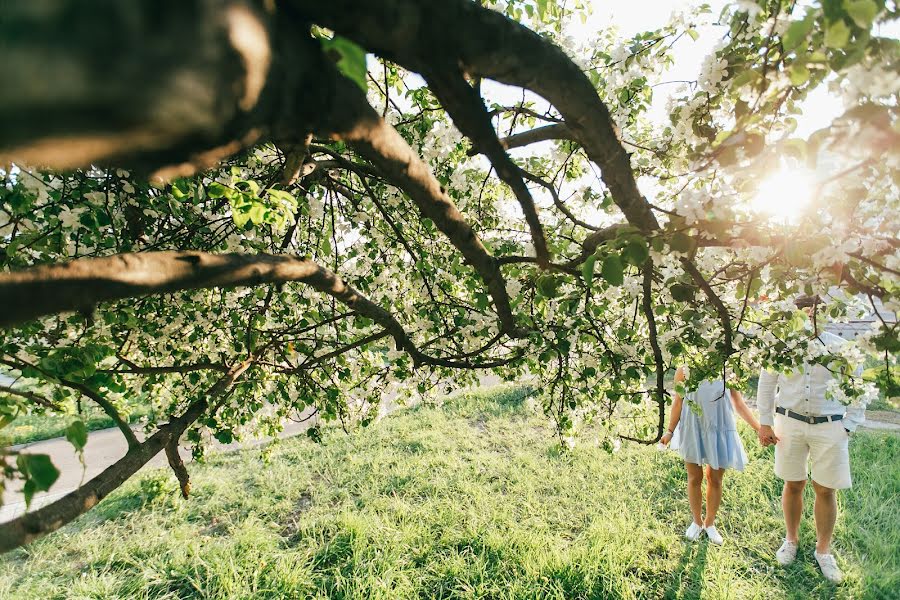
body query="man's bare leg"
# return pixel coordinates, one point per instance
(792, 505)
(825, 511)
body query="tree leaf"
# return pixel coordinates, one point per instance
(587, 271)
(798, 73)
(681, 242)
(77, 434)
(744, 77)
(797, 32)
(548, 286)
(837, 35)
(216, 190)
(39, 469)
(613, 270)
(862, 12)
(636, 252)
(682, 292)
(349, 57)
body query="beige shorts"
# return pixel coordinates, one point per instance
(822, 447)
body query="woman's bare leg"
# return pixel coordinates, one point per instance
(713, 494)
(694, 490)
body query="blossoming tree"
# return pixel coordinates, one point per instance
(243, 211)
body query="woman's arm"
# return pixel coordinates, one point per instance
(740, 406)
(675, 415)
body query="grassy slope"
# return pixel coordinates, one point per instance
(468, 501)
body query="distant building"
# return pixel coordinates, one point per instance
(852, 329)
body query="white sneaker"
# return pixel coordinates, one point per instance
(829, 567)
(714, 536)
(693, 532)
(787, 553)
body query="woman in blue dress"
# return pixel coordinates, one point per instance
(704, 433)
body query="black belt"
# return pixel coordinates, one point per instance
(807, 418)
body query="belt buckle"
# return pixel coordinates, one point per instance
(811, 420)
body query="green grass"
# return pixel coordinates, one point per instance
(470, 500)
(36, 427)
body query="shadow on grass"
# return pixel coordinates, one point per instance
(501, 401)
(687, 578)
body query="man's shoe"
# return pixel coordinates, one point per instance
(829, 567)
(787, 553)
(714, 536)
(693, 532)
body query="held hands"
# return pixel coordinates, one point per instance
(767, 436)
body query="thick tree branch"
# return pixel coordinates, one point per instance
(467, 110)
(557, 131)
(485, 43)
(129, 96)
(86, 282)
(81, 284)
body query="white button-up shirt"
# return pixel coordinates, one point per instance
(803, 391)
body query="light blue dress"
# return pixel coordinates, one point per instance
(710, 438)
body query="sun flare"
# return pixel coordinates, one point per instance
(785, 194)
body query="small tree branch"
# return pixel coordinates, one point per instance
(33, 396)
(108, 408)
(721, 309)
(181, 472)
(647, 308)
(33, 525)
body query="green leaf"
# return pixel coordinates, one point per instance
(636, 252)
(349, 57)
(257, 214)
(681, 242)
(612, 270)
(693, 33)
(862, 12)
(240, 218)
(28, 491)
(587, 271)
(548, 286)
(77, 434)
(216, 190)
(682, 292)
(798, 73)
(38, 469)
(797, 32)
(837, 35)
(744, 77)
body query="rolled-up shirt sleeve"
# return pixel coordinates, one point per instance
(765, 397)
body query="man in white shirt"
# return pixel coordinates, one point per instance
(808, 430)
